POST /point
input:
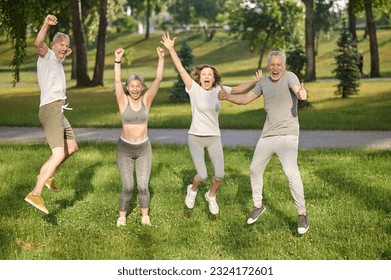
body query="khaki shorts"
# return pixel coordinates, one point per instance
(56, 126)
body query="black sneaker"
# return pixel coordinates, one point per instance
(303, 224)
(255, 214)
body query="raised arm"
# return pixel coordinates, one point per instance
(170, 45)
(119, 90)
(245, 86)
(152, 91)
(42, 48)
(240, 99)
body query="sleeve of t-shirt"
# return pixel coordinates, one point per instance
(258, 88)
(194, 85)
(293, 80)
(49, 55)
(227, 89)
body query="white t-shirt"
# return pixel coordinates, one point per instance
(51, 78)
(205, 107)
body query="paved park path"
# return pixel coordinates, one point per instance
(231, 138)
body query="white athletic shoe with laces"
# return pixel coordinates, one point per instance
(121, 221)
(190, 197)
(213, 207)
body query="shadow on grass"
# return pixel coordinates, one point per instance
(372, 198)
(83, 187)
(6, 239)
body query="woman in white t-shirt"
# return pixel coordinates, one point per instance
(203, 86)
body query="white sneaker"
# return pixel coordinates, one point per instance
(121, 221)
(213, 207)
(145, 220)
(190, 197)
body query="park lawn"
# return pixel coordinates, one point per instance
(347, 192)
(97, 107)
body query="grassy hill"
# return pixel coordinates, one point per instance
(96, 107)
(231, 56)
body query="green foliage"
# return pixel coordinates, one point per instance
(295, 61)
(178, 91)
(347, 71)
(266, 24)
(347, 194)
(125, 24)
(14, 20)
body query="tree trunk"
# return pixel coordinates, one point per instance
(263, 50)
(148, 18)
(82, 78)
(309, 41)
(375, 72)
(352, 20)
(101, 45)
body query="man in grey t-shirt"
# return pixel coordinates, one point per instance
(280, 134)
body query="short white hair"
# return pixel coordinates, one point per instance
(276, 53)
(60, 35)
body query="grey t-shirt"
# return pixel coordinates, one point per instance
(280, 105)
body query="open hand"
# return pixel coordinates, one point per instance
(258, 75)
(167, 41)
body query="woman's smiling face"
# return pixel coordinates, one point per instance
(207, 78)
(135, 88)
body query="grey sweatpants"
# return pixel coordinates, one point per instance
(197, 145)
(129, 155)
(286, 148)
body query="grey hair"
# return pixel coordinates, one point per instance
(276, 53)
(133, 77)
(60, 35)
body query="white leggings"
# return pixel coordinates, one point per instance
(286, 148)
(197, 145)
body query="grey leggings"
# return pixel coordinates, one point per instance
(197, 144)
(128, 155)
(286, 148)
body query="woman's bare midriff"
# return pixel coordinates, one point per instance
(135, 132)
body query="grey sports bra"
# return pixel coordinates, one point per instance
(129, 116)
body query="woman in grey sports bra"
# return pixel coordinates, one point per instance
(134, 148)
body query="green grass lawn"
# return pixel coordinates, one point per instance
(347, 192)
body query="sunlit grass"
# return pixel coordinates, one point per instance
(347, 193)
(96, 107)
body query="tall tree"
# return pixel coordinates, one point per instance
(101, 45)
(203, 13)
(143, 9)
(82, 78)
(347, 71)
(206, 12)
(373, 46)
(148, 17)
(178, 93)
(265, 24)
(310, 74)
(352, 19)
(382, 6)
(326, 20)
